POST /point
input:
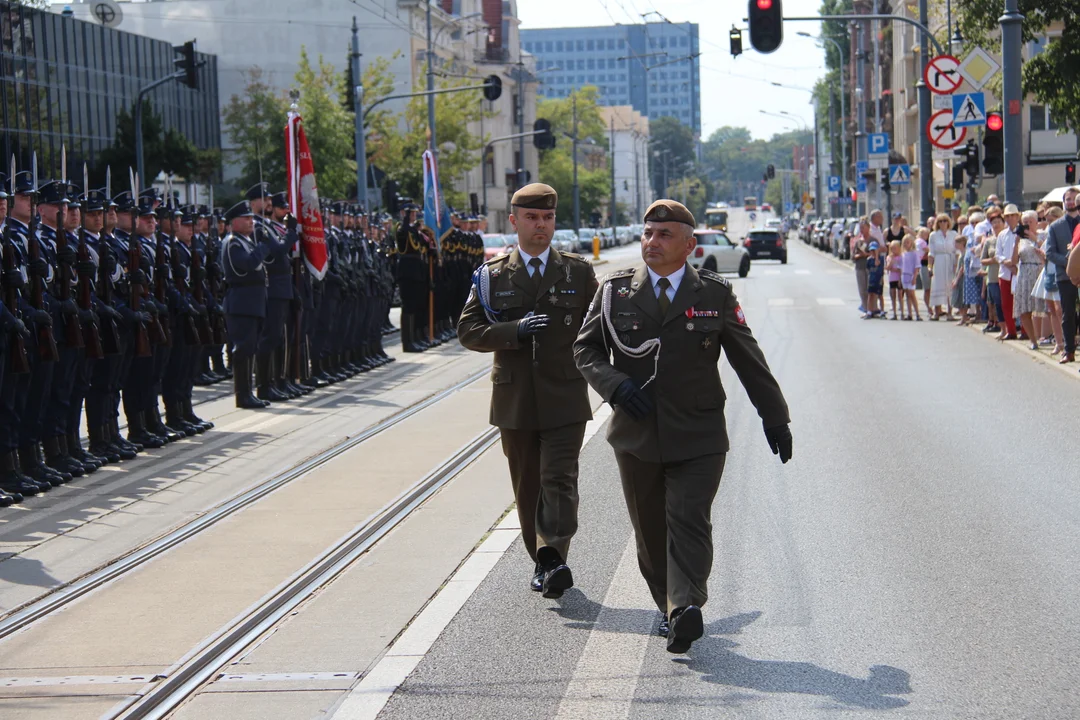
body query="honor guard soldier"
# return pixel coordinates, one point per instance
(245, 300)
(270, 355)
(527, 307)
(412, 279)
(651, 347)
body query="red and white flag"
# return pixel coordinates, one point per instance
(304, 196)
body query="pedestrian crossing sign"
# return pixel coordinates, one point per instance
(969, 109)
(900, 174)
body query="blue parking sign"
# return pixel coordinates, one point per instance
(877, 144)
(834, 183)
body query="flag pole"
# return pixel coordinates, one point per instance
(296, 362)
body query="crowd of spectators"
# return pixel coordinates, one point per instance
(993, 265)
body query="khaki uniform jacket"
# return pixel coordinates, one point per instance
(704, 317)
(536, 385)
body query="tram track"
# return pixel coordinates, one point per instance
(33, 612)
(202, 665)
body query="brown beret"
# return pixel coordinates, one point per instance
(536, 196)
(669, 211)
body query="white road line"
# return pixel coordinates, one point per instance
(830, 302)
(836, 271)
(607, 673)
(772, 272)
(781, 302)
(368, 697)
(802, 272)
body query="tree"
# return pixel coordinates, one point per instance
(739, 161)
(169, 151)
(1045, 76)
(675, 144)
(328, 125)
(255, 121)
(557, 164)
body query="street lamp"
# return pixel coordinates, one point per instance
(843, 103)
(456, 21)
(806, 125)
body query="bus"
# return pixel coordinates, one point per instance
(716, 218)
(750, 202)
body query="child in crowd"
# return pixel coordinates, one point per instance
(875, 290)
(909, 269)
(892, 266)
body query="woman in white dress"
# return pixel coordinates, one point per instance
(942, 265)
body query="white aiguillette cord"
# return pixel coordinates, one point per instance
(637, 352)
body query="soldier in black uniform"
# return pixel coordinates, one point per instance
(270, 355)
(412, 278)
(245, 300)
(329, 314)
(282, 290)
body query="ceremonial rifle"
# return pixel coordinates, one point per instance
(90, 334)
(73, 334)
(20, 363)
(142, 336)
(46, 341)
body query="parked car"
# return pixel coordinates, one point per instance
(624, 235)
(851, 231)
(637, 230)
(766, 243)
(717, 252)
(565, 241)
(774, 224)
(585, 236)
(496, 244)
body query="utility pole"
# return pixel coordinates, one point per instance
(614, 195)
(860, 98)
(1011, 101)
(818, 194)
(577, 190)
(358, 103)
(926, 160)
(521, 119)
(637, 178)
(430, 85)
(832, 141)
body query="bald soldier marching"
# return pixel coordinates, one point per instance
(527, 308)
(651, 347)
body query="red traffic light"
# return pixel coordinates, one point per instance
(994, 122)
(764, 4)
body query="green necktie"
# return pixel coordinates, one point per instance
(535, 264)
(665, 302)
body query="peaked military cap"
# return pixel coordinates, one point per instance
(240, 209)
(536, 196)
(52, 192)
(146, 206)
(74, 196)
(24, 183)
(150, 193)
(167, 212)
(187, 215)
(123, 201)
(669, 211)
(258, 190)
(280, 200)
(3, 186)
(204, 211)
(337, 208)
(94, 200)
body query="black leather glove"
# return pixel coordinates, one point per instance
(85, 267)
(14, 279)
(68, 307)
(38, 268)
(143, 317)
(138, 278)
(110, 312)
(632, 400)
(198, 309)
(779, 438)
(151, 308)
(40, 317)
(290, 221)
(294, 304)
(198, 274)
(531, 325)
(66, 255)
(18, 326)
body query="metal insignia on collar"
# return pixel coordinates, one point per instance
(689, 326)
(623, 291)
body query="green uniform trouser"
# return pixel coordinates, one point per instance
(544, 473)
(670, 508)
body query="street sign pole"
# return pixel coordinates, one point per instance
(1012, 99)
(860, 97)
(926, 161)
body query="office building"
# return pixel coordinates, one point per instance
(651, 67)
(629, 132)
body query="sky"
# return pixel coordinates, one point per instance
(734, 91)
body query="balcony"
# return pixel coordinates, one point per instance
(1048, 145)
(492, 54)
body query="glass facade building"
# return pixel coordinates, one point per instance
(652, 67)
(64, 81)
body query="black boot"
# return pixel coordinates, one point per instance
(155, 425)
(140, 435)
(191, 417)
(44, 477)
(101, 447)
(113, 436)
(56, 457)
(265, 390)
(91, 462)
(174, 420)
(314, 380)
(242, 385)
(408, 334)
(14, 484)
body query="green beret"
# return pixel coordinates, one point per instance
(536, 196)
(669, 211)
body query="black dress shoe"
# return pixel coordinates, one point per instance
(686, 627)
(557, 576)
(664, 628)
(537, 582)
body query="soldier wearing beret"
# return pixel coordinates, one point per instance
(651, 347)
(245, 300)
(412, 279)
(526, 308)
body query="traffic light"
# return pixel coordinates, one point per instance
(492, 88)
(994, 145)
(766, 25)
(1070, 173)
(736, 41)
(186, 63)
(390, 196)
(970, 153)
(544, 139)
(957, 176)
(886, 182)
(770, 170)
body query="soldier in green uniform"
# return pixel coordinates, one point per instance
(527, 307)
(651, 346)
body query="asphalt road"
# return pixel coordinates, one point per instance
(915, 559)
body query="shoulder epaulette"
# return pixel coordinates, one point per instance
(714, 276)
(619, 274)
(497, 258)
(573, 256)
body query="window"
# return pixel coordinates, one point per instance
(611, 64)
(580, 45)
(547, 46)
(622, 43)
(590, 46)
(622, 62)
(1041, 119)
(611, 44)
(591, 64)
(580, 64)
(683, 41)
(558, 46)
(580, 79)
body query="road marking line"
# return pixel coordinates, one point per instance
(772, 272)
(835, 271)
(831, 302)
(607, 673)
(802, 272)
(368, 697)
(781, 302)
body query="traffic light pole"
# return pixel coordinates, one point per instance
(1012, 100)
(138, 123)
(360, 139)
(504, 138)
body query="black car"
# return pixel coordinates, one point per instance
(766, 243)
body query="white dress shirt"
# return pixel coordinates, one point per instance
(674, 278)
(526, 257)
(1005, 244)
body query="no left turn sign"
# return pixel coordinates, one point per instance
(942, 75)
(942, 133)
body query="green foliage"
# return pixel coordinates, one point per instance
(1050, 75)
(692, 191)
(169, 151)
(734, 159)
(669, 136)
(255, 121)
(557, 164)
(328, 125)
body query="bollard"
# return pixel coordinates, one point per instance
(596, 247)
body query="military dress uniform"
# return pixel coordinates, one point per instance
(539, 400)
(671, 458)
(270, 354)
(413, 283)
(245, 302)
